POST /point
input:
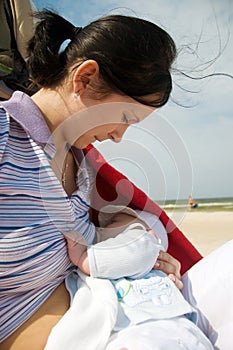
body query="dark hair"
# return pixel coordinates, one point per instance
(134, 55)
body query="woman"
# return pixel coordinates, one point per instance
(91, 71)
(116, 61)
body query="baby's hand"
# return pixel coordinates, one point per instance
(171, 266)
(168, 264)
(151, 232)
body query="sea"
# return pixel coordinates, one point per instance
(203, 204)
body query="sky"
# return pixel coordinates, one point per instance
(185, 147)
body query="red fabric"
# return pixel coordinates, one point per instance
(112, 187)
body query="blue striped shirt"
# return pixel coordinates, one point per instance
(34, 210)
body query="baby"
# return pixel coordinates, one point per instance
(125, 252)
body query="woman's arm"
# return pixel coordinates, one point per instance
(78, 255)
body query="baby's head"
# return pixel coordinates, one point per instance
(122, 219)
(119, 218)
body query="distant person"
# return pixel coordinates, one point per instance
(17, 27)
(192, 203)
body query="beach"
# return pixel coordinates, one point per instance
(206, 230)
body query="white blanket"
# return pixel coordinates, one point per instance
(88, 323)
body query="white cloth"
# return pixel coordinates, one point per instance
(174, 334)
(152, 297)
(208, 286)
(88, 323)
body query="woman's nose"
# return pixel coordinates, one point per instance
(114, 137)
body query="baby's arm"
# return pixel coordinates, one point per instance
(77, 246)
(131, 253)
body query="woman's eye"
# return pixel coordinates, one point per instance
(129, 119)
(125, 119)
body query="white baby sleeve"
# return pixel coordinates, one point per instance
(130, 254)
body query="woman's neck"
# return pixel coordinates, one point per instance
(54, 107)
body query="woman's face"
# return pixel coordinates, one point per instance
(110, 118)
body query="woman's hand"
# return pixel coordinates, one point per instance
(170, 266)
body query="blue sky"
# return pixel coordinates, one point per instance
(185, 147)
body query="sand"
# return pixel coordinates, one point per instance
(206, 230)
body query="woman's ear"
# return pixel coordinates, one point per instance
(84, 74)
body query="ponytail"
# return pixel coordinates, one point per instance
(46, 64)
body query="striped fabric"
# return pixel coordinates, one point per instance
(34, 210)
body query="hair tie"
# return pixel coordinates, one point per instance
(64, 45)
(66, 42)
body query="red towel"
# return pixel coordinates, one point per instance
(112, 187)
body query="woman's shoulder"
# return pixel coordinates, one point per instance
(4, 129)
